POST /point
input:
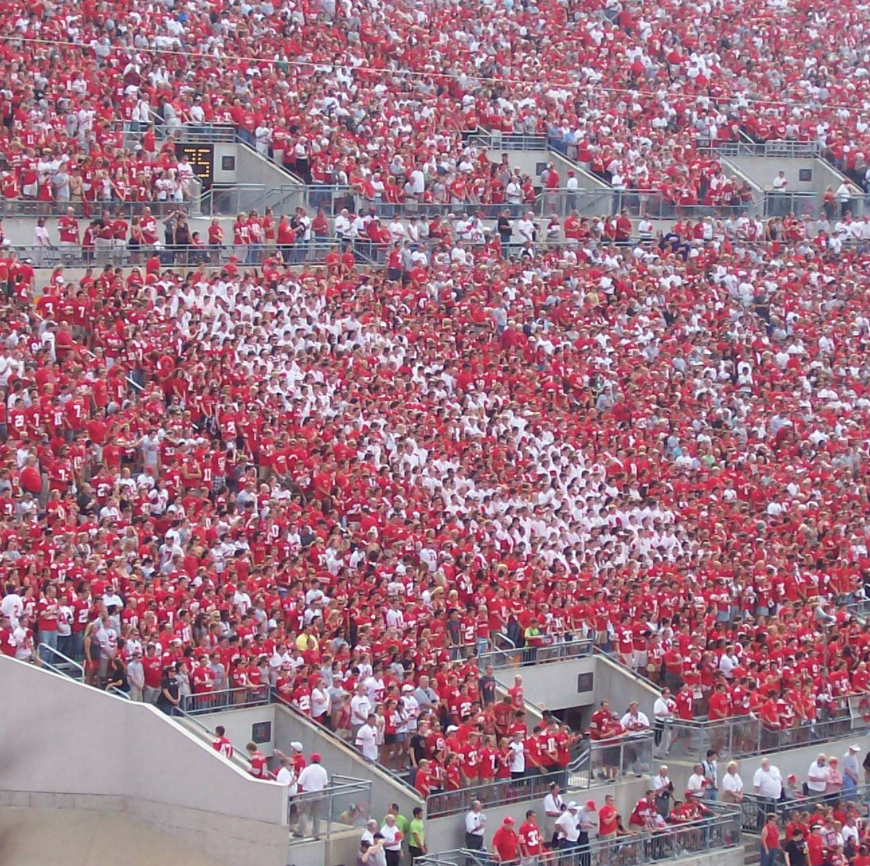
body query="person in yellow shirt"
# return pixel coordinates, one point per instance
(306, 641)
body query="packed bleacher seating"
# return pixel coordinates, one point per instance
(338, 480)
(345, 94)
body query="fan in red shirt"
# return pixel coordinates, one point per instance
(531, 844)
(221, 744)
(505, 842)
(259, 768)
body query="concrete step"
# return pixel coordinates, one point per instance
(751, 849)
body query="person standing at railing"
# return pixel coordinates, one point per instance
(817, 776)
(554, 807)
(313, 780)
(770, 840)
(567, 833)
(222, 744)
(664, 791)
(475, 827)
(393, 837)
(711, 774)
(636, 723)
(505, 842)
(417, 835)
(732, 784)
(664, 709)
(767, 785)
(795, 850)
(850, 772)
(834, 782)
(136, 676)
(531, 842)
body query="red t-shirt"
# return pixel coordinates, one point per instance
(530, 836)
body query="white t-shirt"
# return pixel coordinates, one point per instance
(319, 702)
(732, 782)
(568, 827)
(286, 776)
(518, 758)
(313, 778)
(390, 834)
(366, 742)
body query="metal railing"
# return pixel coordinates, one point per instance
(775, 148)
(754, 809)
(722, 829)
(602, 762)
(812, 204)
(499, 792)
(54, 660)
(495, 140)
(458, 857)
(226, 699)
(231, 199)
(545, 653)
(88, 210)
(245, 255)
(344, 804)
(745, 736)
(331, 735)
(186, 133)
(859, 607)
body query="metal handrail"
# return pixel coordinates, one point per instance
(32, 208)
(747, 736)
(225, 699)
(499, 792)
(458, 857)
(755, 808)
(331, 735)
(307, 808)
(508, 140)
(43, 648)
(605, 761)
(536, 655)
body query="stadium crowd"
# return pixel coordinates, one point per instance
(337, 484)
(344, 483)
(348, 94)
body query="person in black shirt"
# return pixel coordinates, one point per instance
(417, 749)
(168, 698)
(486, 684)
(505, 230)
(796, 850)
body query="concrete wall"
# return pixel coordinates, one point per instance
(533, 162)
(219, 175)
(763, 169)
(35, 837)
(554, 686)
(255, 169)
(239, 724)
(69, 746)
